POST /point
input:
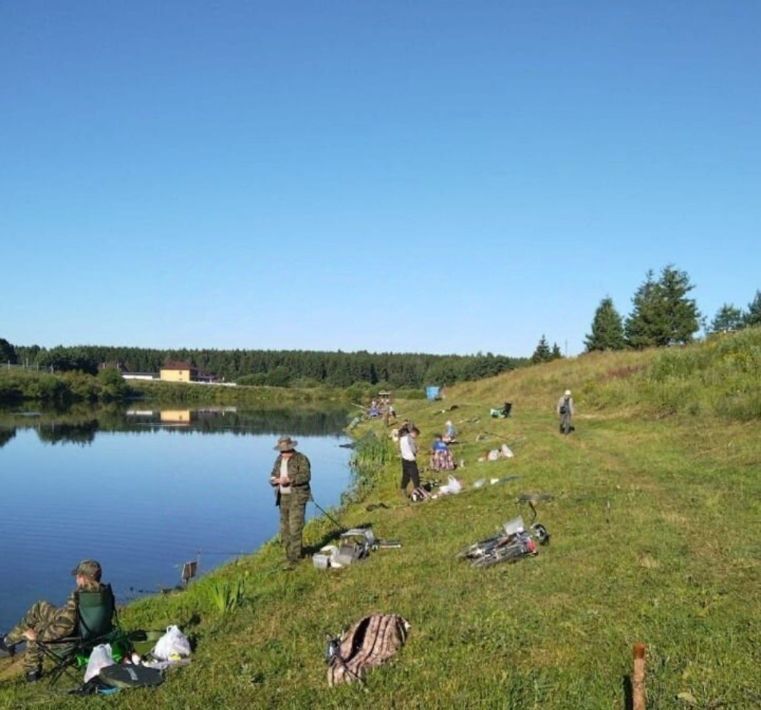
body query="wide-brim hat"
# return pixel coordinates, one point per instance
(285, 443)
(88, 568)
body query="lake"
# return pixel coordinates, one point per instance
(144, 489)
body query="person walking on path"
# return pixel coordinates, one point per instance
(290, 477)
(565, 410)
(408, 449)
(45, 622)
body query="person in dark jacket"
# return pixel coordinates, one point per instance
(45, 622)
(290, 477)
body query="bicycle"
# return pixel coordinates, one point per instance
(511, 545)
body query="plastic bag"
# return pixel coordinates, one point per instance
(101, 657)
(452, 486)
(172, 645)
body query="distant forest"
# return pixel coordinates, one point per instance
(280, 368)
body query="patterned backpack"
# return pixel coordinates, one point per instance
(367, 644)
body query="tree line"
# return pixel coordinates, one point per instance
(280, 368)
(663, 314)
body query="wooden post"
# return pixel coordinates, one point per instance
(638, 677)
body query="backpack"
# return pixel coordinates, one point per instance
(129, 676)
(367, 644)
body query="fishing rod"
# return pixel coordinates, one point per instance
(327, 515)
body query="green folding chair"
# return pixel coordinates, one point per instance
(97, 623)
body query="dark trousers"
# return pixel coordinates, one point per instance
(410, 473)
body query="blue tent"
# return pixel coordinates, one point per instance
(433, 392)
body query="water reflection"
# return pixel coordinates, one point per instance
(80, 425)
(144, 490)
(6, 435)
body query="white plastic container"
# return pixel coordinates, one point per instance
(516, 525)
(320, 560)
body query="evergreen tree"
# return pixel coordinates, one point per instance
(663, 314)
(682, 314)
(645, 326)
(727, 319)
(607, 328)
(555, 354)
(7, 352)
(542, 352)
(753, 315)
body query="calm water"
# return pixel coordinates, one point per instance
(143, 491)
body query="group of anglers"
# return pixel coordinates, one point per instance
(290, 478)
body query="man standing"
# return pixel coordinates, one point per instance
(290, 477)
(408, 449)
(565, 411)
(44, 622)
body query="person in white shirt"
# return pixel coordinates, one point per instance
(408, 449)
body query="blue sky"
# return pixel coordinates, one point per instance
(426, 176)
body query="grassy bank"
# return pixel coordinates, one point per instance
(655, 524)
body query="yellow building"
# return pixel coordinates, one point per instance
(175, 416)
(178, 372)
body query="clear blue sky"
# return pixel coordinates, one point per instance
(434, 176)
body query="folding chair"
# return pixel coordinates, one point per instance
(97, 623)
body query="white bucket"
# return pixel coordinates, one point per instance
(321, 561)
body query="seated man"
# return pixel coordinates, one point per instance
(44, 622)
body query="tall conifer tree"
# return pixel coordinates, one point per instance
(663, 314)
(727, 319)
(682, 314)
(542, 352)
(753, 315)
(645, 326)
(607, 328)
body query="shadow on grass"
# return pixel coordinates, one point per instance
(626, 681)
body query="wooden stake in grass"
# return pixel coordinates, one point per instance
(638, 677)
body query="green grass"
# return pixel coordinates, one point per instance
(655, 525)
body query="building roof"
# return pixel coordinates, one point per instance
(177, 365)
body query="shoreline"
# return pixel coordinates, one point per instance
(654, 462)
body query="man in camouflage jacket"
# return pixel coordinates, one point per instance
(290, 477)
(45, 622)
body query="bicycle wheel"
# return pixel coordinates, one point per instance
(479, 549)
(506, 553)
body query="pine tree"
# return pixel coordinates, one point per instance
(555, 354)
(727, 319)
(753, 314)
(607, 328)
(542, 352)
(645, 326)
(682, 314)
(662, 313)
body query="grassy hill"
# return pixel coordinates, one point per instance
(655, 524)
